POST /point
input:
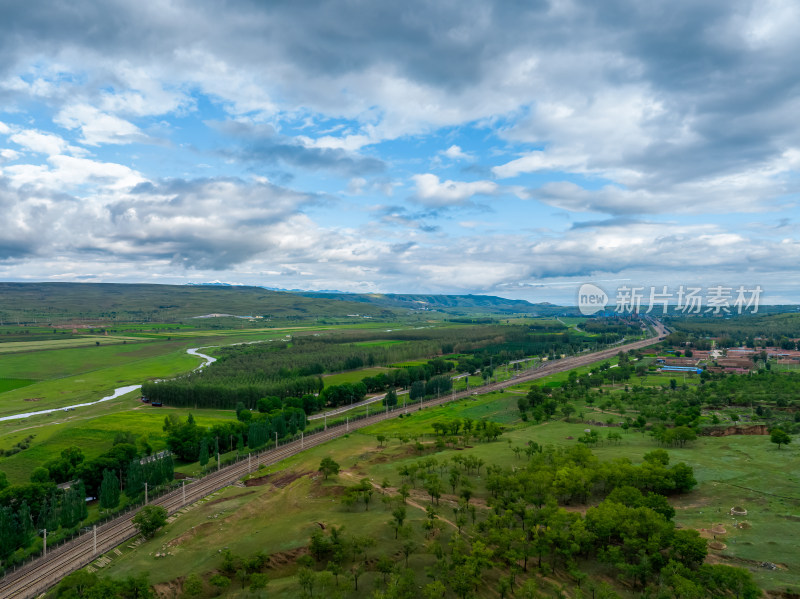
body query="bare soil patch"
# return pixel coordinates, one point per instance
(279, 479)
(223, 499)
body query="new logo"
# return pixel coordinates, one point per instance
(591, 299)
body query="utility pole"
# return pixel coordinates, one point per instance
(218, 462)
(326, 421)
(94, 539)
(183, 491)
(249, 469)
(301, 440)
(145, 493)
(348, 424)
(276, 439)
(44, 547)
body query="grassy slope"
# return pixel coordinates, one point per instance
(58, 302)
(243, 522)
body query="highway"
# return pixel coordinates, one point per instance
(43, 573)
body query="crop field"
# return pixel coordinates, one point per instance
(82, 341)
(11, 384)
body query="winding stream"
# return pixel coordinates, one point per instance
(194, 351)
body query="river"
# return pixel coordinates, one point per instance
(195, 351)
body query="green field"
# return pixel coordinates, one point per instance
(747, 471)
(77, 375)
(379, 343)
(82, 341)
(93, 434)
(11, 384)
(353, 376)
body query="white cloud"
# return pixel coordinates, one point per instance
(98, 127)
(7, 155)
(455, 152)
(432, 192)
(43, 143)
(71, 171)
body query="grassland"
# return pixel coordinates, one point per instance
(68, 376)
(746, 471)
(93, 434)
(352, 376)
(82, 341)
(11, 384)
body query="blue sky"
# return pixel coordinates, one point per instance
(516, 149)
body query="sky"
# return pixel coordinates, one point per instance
(518, 149)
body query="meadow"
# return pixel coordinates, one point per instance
(352, 376)
(92, 434)
(81, 341)
(745, 471)
(62, 377)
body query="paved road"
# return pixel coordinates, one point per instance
(43, 573)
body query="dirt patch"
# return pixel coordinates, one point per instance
(190, 534)
(223, 499)
(787, 594)
(318, 490)
(279, 479)
(724, 431)
(380, 458)
(32, 399)
(717, 546)
(168, 589)
(721, 558)
(285, 558)
(718, 529)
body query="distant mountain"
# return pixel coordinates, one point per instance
(452, 304)
(47, 303)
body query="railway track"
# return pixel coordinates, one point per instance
(43, 573)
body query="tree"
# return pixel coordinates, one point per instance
(109, 490)
(328, 466)
(258, 581)
(385, 566)
(390, 399)
(192, 586)
(149, 519)
(434, 590)
(40, 475)
(779, 437)
(204, 456)
(220, 581)
(398, 517)
(408, 548)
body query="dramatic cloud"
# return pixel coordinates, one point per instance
(360, 145)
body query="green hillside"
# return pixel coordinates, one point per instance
(48, 303)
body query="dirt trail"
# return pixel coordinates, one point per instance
(393, 491)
